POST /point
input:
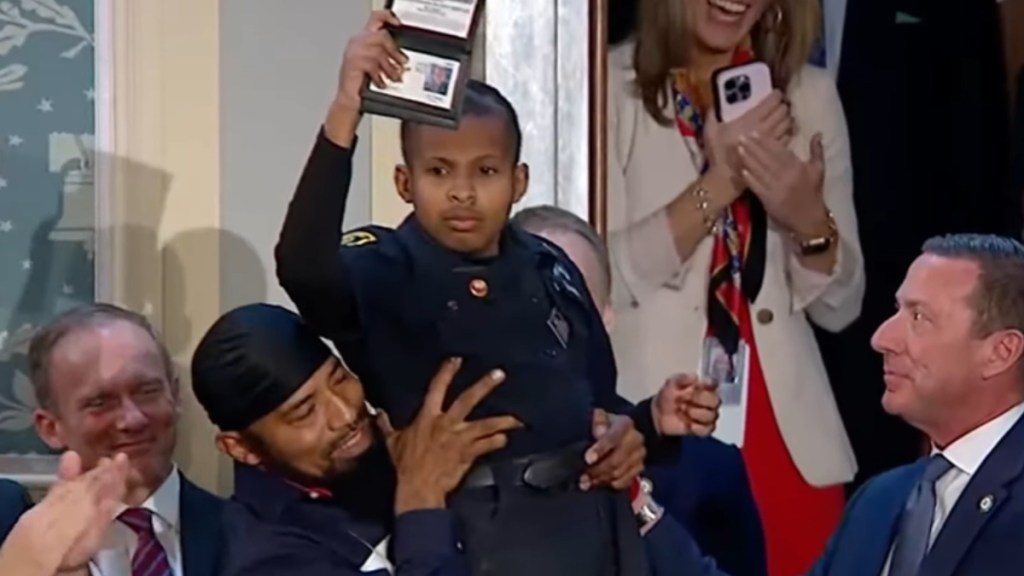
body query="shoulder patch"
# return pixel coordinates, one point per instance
(358, 238)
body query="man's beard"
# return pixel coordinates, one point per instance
(366, 487)
(363, 486)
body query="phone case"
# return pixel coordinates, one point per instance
(739, 88)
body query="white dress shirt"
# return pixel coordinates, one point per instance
(378, 559)
(966, 455)
(115, 557)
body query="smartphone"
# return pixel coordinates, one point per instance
(739, 88)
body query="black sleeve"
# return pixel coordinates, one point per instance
(661, 450)
(423, 542)
(310, 267)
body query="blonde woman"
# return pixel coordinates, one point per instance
(730, 238)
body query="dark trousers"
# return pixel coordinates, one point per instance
(510, 530)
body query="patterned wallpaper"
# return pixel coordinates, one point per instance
(47, 213)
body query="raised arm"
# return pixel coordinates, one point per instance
(310, 267)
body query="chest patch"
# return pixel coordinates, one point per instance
(559, 327)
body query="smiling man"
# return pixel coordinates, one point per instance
(105, 384)
(320, 487)
(952, 353)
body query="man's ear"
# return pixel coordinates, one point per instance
(522, 181)
(403, 183)
(49, 430)
(176, 393)
(1004, 352)
(238, 448)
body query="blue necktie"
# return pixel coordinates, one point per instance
(819, 52)
(916, 523)
(819, 56)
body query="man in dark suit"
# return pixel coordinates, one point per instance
(105, 384)
(707, 490)
(924, 89)
(14, 501)
(953, 357)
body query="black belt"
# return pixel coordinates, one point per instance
(547, 471)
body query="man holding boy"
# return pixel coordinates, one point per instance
(454, 280)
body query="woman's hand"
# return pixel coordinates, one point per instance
(791, 190)
(771, 117)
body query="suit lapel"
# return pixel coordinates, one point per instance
(874, 550)
(984, 495)
(200, 524)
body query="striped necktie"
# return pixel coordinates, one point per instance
(150, 558)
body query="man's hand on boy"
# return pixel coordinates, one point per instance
(618, 455)
(371, 56)
(686, 406)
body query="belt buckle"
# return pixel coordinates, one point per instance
(551, 473)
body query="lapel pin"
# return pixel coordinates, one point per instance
(985, 504)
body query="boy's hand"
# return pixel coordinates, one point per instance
(618, 455)
(371, 55)
(686, 405)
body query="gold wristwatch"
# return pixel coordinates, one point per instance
(818, 244)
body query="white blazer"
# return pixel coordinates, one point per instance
(660, 301)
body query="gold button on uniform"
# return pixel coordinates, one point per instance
(765, 316)
(478, 287)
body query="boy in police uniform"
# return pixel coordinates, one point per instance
(456, 280)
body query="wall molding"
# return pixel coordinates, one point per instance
(129, 135)
(158, 186)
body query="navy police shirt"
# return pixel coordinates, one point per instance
(396, 304)
(276, 527)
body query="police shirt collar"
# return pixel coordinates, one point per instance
(268, 493)
(512, 237)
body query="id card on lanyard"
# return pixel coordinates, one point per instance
(725, 355)
(731, 374)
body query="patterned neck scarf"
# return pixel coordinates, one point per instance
(738, 256)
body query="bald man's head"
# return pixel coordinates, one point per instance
(581, 243)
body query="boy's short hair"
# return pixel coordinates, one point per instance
(481, 100)
(547, 218)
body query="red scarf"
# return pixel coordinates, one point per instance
(738, 256)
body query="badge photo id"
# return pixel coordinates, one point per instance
(730, 373)
(428, 80)
(437, 38)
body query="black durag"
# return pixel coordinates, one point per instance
(251, 361)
